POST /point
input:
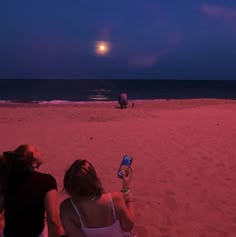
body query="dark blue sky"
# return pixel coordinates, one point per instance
(148, 38)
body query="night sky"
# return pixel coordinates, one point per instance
(140, 38)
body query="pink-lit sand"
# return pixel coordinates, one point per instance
(184, 152)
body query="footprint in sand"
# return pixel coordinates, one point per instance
(170, 201)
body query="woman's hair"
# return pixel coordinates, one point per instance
(81, 180)
(14, 164)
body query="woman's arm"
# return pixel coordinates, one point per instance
(125, 202)
(70, 227)
(128, 198)
(124, 211)
(52, 212)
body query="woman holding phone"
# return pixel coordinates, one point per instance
(90, 211)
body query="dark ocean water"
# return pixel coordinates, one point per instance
(63, 91)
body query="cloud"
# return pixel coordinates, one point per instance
(142, 58)
(156, 37)
(225, 15)
(146, 60)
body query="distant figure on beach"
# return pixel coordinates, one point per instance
(26, 194)
(123, 100)
(90, 211)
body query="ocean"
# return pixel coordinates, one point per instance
(74, 91)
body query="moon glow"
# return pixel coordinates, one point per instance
(102, 48)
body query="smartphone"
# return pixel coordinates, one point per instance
(125, 166)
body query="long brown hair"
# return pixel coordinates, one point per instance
(81, 180)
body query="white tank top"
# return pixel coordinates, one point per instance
(113, 230)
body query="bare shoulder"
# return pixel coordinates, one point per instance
(117, 198)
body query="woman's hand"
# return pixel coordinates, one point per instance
(126, 180)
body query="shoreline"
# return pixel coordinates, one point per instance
(7, 103)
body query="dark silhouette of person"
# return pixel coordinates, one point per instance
(123, 100)
(26, 195)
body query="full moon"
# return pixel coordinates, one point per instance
(102, 47)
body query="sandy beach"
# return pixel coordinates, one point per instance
(184, 156)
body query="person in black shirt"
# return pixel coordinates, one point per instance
(26, 195)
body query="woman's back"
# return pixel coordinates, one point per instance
(96, 217)
(90, 211)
